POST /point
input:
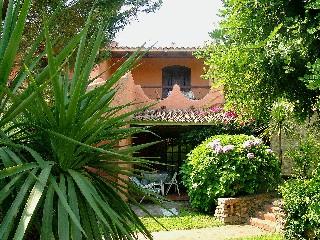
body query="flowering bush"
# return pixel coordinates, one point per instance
(229, 165)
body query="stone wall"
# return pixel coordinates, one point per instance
(240, 210)
(287, 143)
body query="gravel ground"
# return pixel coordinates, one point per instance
(217, 233)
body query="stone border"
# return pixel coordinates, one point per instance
(239, 210)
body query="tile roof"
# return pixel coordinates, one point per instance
(155, 49)
(186, 115)
(155, 52)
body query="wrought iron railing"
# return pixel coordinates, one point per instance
(161, 92)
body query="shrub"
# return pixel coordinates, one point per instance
(302, 204)
(305, 157)
(302, 195)
(229, 165)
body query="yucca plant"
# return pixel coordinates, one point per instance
(61, 170)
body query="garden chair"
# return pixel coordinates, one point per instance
(174, 182)
(148, 187)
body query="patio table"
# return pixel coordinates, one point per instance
(157, 178)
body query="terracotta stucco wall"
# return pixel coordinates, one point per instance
(148, 73)
(129, 92)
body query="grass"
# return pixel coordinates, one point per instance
(186, 220)
(264, 237)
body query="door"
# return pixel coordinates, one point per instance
(172, 75)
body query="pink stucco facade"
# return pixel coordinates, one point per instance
(143, 85)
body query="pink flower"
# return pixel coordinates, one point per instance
(228, 148)
(230, 114)
(215, 109)
(269, 150)
(247, 144)
(218, 149)
(251, 143)
(250, 155)
(214, 143)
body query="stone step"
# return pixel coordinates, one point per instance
(267, 216)
(266, 225)
(271, 208)
(270, 216)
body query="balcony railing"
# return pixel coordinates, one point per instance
(161, 92)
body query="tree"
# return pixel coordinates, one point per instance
(260, 52)
(73, 14)
(280, 122)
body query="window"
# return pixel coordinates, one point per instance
(172, 75)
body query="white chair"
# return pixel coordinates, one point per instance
(188, 94)
(174, 182)
(152, 187)
(157, 179)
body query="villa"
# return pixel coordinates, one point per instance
(169, 80)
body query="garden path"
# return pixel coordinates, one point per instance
(216, 233)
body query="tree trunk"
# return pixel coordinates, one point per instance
(280, 144)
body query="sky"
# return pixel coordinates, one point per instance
(183, 22)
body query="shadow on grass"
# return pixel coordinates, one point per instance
(187, 219)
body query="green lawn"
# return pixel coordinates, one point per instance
(265, 237)
(186, 220)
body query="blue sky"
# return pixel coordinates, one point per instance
(184, 22)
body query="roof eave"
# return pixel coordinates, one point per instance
(166, 52)
(155, 54)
